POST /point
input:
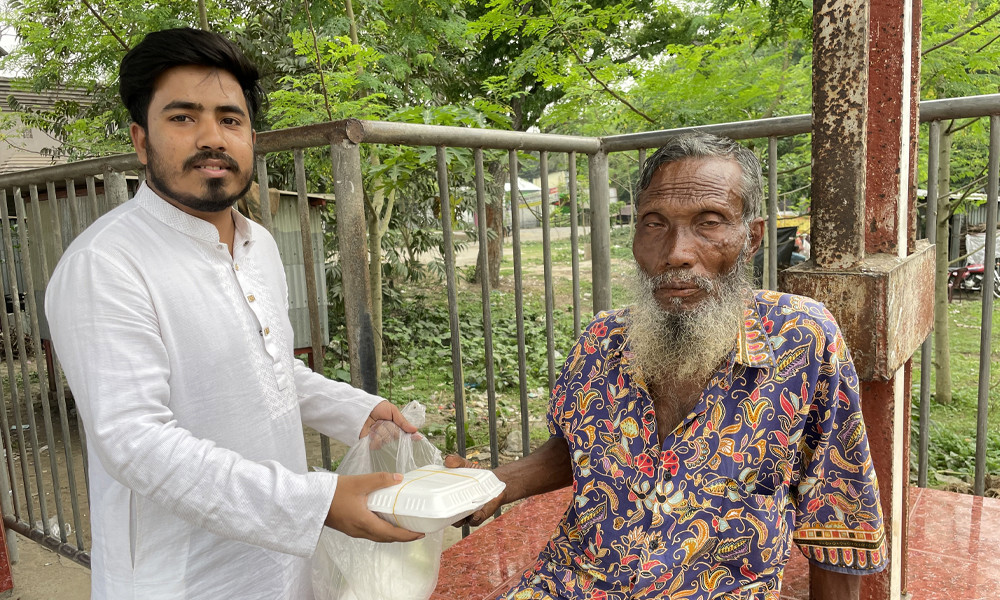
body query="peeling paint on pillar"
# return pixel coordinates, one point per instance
(911, 233)
(885, 135)
(840, 82)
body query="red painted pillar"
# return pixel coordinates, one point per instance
(893, 100)
(867, 267)
(6, 579)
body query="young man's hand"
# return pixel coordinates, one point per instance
(386, 411)
(349, 510)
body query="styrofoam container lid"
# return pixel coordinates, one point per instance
(433, 497)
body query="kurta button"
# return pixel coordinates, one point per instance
(236, 267)
(267, 330)
(250, 298)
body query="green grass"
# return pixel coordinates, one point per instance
(952, 442)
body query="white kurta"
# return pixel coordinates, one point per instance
(180, 360)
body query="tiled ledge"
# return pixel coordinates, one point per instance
(954, 549)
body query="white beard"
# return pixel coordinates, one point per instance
(686, 344)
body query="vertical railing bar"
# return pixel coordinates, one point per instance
(15, 507)
(74, 212)
(448, 250)
(515, 231)
(60, 397)
(484, 258)
(926, 348)
(115, 188)
(57, 210)
(989, 262)
(68, 450)
(550, 338)
(574, 237)
(264, 193)
(25, 375)
(5, 327)
(635, 195)
(19, 508)
(312, 288)
(43, 381)
(56, 206)
(95, 211)
(772, 213)
(600, 232)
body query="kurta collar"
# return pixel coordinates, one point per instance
(190, 225)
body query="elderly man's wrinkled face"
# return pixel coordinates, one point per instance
(691, 287)
(690, 231)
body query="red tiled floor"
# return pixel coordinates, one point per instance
(954, 549)
(954, 543)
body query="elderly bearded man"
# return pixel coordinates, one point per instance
(705, 427)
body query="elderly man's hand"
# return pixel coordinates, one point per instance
(454, 461)
(386, 411)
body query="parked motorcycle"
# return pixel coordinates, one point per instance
(969, 278)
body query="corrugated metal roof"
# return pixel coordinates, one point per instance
(43, 101)
(25, 161)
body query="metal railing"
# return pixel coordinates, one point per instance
(32, 386)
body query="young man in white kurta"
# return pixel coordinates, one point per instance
(177, 346)
(180, 360)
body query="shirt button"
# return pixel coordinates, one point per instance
(236, 267)
(267, 330)
(251, 298)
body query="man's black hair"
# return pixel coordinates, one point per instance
(162, 50)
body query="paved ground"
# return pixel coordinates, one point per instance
(41, 574)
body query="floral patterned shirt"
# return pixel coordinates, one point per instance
(774, 451)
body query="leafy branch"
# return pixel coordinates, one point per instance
(958, 36)
(106, 26)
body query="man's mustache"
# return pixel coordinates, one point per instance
(204, 155)
(672, 277)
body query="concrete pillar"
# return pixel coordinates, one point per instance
(868, 268)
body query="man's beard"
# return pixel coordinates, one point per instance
(214, 199)
(686, 344)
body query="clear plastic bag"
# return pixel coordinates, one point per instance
(346, 568)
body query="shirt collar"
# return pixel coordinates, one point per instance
(190, 225)
(753, 347)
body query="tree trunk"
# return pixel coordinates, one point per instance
(203, 15)
(494, 221)
(942, 349)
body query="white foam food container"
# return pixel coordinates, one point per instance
(433, 497)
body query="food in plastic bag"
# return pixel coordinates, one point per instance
(346, 568)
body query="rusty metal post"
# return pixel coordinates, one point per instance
(878, 287)
(349, 193)
(840, 90)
